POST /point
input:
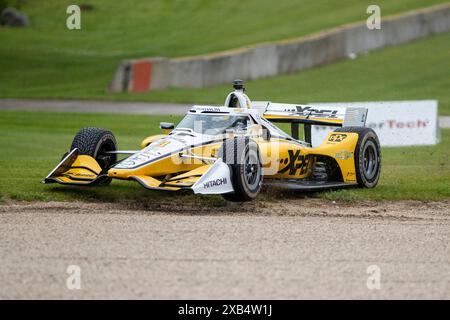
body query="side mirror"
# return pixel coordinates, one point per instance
(266, 133)
(166, 127)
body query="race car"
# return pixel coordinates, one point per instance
(232, 150)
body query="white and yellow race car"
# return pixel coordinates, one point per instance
(231, 150)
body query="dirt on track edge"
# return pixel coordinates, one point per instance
(396, 210)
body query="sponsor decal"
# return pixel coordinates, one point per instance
(141, 157)
(397, 124)
(214, 183)
(294, 163)
(344, 155)
(351, 176)
(337, 137)
(78, 174)
(208, 109)
(125, 164)
(163, 143)
(314, 112)
(391, 124)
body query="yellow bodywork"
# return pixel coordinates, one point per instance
(294, 161)
(341, 147)
(168, 182)
(83, 171)
(151, 139)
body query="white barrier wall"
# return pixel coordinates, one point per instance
(397, 123)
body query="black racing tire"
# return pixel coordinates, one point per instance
(95, 142)
(243, 157)
(64, 155)
(367, 156)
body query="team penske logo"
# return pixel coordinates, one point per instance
(214, 183)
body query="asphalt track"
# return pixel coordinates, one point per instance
(113, 107)
(295, 248)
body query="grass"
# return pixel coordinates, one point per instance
(416, 173)
(49, 61)
(32, 143)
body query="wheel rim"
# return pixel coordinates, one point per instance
(252, 171)
(370, 160)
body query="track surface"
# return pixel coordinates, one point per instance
(297, 248)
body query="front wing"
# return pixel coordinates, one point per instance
(83, 170)
(76, 169)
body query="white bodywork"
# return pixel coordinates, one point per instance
(216, 180)
(177, 142)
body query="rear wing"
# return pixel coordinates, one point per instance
(311, 115)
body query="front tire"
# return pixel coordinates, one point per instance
(367, 156)
(243, 158)
(96, 142)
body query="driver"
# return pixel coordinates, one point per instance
(239, 124)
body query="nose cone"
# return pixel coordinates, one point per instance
(118, 173)
(158, 150)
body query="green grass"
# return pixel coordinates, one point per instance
(49, 61)
(417, 173)
(32, 143)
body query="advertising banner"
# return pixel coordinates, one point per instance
(397, 123)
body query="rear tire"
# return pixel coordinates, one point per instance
(243, 158)
(367, 156)
(95, 142)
